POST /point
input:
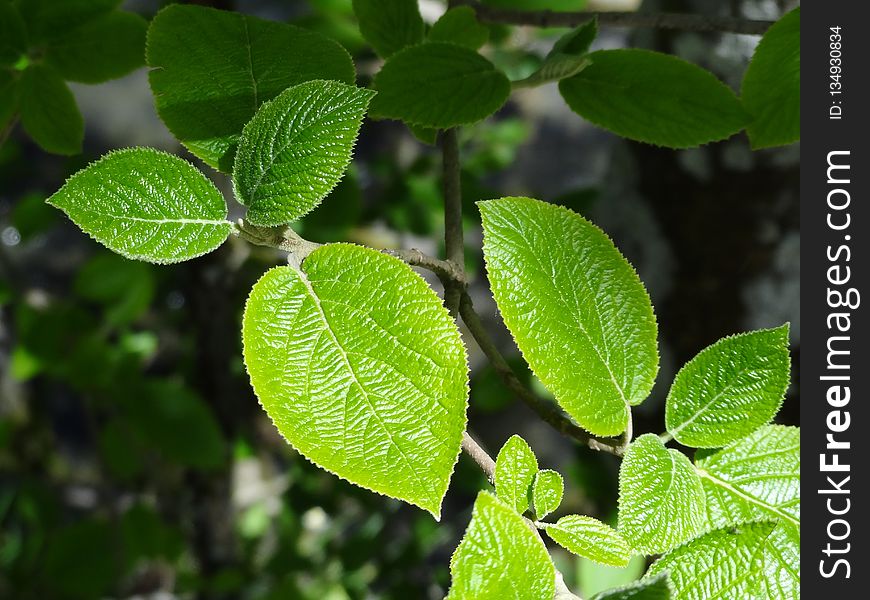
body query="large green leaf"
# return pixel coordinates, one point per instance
(547, 490)
(726, 564)
(296, 148)
(438, 85)
(211, 71)
(48, 111)
(362, 369)
(661, 500)
(459, 26)
(576, 308)
(500, 557)
(107, 47)
(590, 538)
(146, 205)
(654, 98)
(515, 469)
(389, 25)
(758, 477)
(772, 85)
(729, 389)
(657, 587)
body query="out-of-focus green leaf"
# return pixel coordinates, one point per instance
(653, 588)
(106, 48)
(389, 25)
(48, 111)
(70, 567)
(48, 19)
(13, 35)
(459, 26)
(125, 287)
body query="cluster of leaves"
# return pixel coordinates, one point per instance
(359, 364)
(44, 44)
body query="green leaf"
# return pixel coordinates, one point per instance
(555, 68)
(459, 26)
(106, 48)
(211, 71)
(49, 113)
(590, 538)
(500, 557)
(577, 41)
(758, 477)
(438, 85)
(772, 85)
(8, 96)
(661, 500)
(362, 369)
(13, 35)
(389, 25)
(754, 478)
(654, 98)
(576, 308)
(124, 287)
(725, 563)
(547, 491)
(515, 469)
(657, 587)
(729, 389)
(48, 19)
(296, 148)
(146, 205)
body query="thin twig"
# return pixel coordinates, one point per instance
(677, 21)
(480, 456)
(546, 411)
(446, 270)
(453, 236)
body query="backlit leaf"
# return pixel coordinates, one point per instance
(146, 205)
(661, 500)
(575, 307)
(547, 490)
(515, 469)
(296, 148)
(729, 389)
(500, 557)
(361, 368)
(590, 538)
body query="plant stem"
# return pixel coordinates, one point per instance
(454, 242)
(676, 21)
(479, 455)
(544, 410)
(446, 270)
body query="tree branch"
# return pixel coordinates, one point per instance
(676, 21)
(546, 411)
(453, 236)
(446, 270)
(479, 455)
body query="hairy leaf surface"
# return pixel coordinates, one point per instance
(657, 587)
(459, 26)
(296, 149)
(515, 469)
(146, 205)
(500, 557)
(438, 85)
(361, 368)
(389, 25)
(661, 500)
(211, 71)
(107, 47)
(726, 563)
(590, 538)
(654, 98)
(48, 111)
(729, 389)
(772, 85)
(575, 307)
(547, 490)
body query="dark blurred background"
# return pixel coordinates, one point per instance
(134, 458)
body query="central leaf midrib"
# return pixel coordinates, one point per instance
(331, 332)
(775, 510)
